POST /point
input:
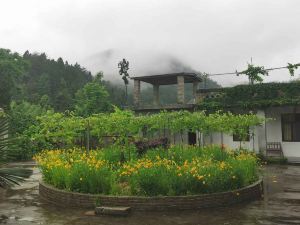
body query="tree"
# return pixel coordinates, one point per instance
(56, 79)
(92, 99)
(124, 67)
(12, 66)
(63, 99)
(21, 116)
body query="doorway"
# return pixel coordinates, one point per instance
(192, 138)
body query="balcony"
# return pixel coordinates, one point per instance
(165, 79)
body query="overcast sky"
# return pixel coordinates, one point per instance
(210, 36)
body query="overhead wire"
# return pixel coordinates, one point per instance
(241, 72)
(206, 75)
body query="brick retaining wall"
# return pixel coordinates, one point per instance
(72, 199)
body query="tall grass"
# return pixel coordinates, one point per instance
(179, 170)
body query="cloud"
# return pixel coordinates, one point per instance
(210, 36)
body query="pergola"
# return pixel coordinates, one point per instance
(166, 79)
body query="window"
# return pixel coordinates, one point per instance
(290, 125)
(237, 137)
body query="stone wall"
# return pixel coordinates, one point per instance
(71, 199)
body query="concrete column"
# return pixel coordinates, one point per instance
(155, 94)
(136, 92)
(195, 87)
(180, 89)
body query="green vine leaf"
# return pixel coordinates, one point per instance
(292, 68)
(255, 73)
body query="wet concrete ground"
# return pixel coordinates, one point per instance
(281, 205)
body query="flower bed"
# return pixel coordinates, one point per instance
(176, 171)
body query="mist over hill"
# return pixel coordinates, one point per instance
(156, 63)
(55, 83)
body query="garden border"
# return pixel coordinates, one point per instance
(64, 198)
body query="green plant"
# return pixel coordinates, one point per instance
(253, 96)
(180, 170)
(21, 116)
(292, 68)
(91, 99)
(9, 176)
(254, 73)
(58, 130)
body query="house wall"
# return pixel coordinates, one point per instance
(291, 150)
(270, 131)
(260, 133)
(216, 138)
(174, 138)
(256, 143)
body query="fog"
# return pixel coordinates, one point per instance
(156, 37)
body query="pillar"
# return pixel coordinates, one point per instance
(155, 94)
(180, 89)
(195, 87)
(136, 92)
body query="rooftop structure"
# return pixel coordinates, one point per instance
(165, 79)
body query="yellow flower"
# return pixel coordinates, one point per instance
(200, 177)
(80, 179)
(233, 177)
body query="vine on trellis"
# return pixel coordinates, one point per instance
(254, 73)
(292, 68)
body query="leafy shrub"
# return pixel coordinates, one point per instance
(22, 117)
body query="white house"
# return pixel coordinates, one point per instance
(283, 130)
(279, 103)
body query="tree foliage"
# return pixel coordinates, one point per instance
(56, 79)
(91, 99)
(21, 116)
(253, 96)
(254, 73)
(9, 176)
(12, 67)
(292, 68)
(124, 125)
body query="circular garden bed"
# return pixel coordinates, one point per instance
(180, 177)
(63, 198)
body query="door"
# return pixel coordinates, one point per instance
(192, 138)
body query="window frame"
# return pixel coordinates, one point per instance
(292, 123)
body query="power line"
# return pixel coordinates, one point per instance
(242, 72)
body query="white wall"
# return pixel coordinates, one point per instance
(268, 132)
(260, 133)
(291, 150)
(215, 138)
(256, 144)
